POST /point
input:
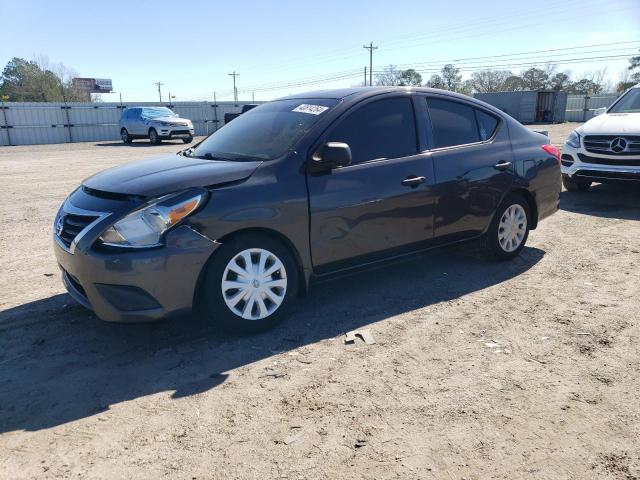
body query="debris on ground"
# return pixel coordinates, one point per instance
(365, 335)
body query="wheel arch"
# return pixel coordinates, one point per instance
(531, 202)
(266, 232)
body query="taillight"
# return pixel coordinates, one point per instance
(552, 150)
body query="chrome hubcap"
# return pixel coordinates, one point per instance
(512, 228)
(254, 284)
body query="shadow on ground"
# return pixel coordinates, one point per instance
(139, 143)
(58, 363)
(605, 200)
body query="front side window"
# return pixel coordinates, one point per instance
(265, 132)
(629, 103)
(378, 130)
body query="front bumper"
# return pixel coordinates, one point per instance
(137, 285)
(578, 163)
(175, 131)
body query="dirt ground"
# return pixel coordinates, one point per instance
(528, 369)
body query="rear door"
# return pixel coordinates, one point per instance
(473, 165)
(381, 204)
(136, 123)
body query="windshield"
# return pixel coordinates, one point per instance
(156, 112)
(265, 132)
(629, 103)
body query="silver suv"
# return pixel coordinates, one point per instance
(154, 123)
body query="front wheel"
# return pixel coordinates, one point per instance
(188, 139)
(574, 184)
(124, 135)
(249, 284)
(154, 138)
(509, 229)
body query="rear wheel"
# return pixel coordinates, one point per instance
(124, 135)
(574, 184)
(509, 229)
(154, 138)
(188, 139)
(249, 284)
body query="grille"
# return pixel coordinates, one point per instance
(609, 161)
(75, 283)
(603, 144)
(72, 225)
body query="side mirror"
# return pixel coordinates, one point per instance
(331, 155)
(599, 111)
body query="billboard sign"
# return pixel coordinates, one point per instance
(93, 85)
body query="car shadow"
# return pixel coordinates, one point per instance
(59, 363)
(139, 143)
(604, 200)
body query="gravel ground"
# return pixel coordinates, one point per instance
(528, 369)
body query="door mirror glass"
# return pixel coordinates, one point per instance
(331, 155)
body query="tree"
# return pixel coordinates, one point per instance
(560, 81)
(486, 81)
(436, 81)
(583, 87)
(389, 77)
(451, 78)
(410, 78)
(535, 79)
(514, 84)
(628, 79)
(36, 81)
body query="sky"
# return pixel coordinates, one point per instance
(285, 47)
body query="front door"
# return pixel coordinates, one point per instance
(383, 203)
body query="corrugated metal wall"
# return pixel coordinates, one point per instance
(529, 106)
(39, 123)
(580, 107)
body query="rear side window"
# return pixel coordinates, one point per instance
(486, 124)
(379, 130)
(454, 123)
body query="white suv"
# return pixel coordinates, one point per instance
(606, 148)
(154, 123)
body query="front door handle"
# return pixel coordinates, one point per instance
(413, 181)
(502, 165)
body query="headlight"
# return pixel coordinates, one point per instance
(573, 140)
(145, 226)
(165, 124)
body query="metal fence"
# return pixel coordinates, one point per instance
(580, 108)
(40, 123)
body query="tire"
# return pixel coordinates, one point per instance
(124, 135)
(189, 139)
(509, 229)
(575, 185)
(248, 314)
(154, 138)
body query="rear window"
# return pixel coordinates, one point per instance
(378, 130)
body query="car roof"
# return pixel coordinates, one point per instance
(362, 92)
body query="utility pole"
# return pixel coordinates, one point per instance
(159, 84)
(371, 48)
(235, 90)
(365, 76)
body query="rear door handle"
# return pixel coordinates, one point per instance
(413, 181)
(502, 165)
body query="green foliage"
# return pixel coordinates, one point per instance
(26, 81)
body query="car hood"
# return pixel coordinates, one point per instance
(170, 173)
(181, 121)
(612, 124)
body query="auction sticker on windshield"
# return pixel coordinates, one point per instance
(312, 109)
